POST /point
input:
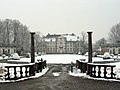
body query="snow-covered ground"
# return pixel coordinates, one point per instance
(62, 58)
(56, 74)
(55, 58)
(67, 59)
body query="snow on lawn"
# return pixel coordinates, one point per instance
(55, 58)
(61, 58)
(68, 58)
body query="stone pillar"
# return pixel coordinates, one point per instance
(89, 47)
(32, 47)
(89, 51)
(32, 68)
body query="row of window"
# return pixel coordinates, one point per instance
(7, 51)
(68, 44)
(54, 49)
(114, 51)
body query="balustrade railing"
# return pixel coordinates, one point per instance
(15, 72)
(40, 65)
(96, 70)
(101, 71)
(81, 65)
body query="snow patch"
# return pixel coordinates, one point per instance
(16, 56)
(56, 73)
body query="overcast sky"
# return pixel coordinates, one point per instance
(64, 16)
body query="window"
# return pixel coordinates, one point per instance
(71, 44)
(119, 51)
(3, 51)
(48, 49)
(70, 49)
(8, 50)
(53, 49)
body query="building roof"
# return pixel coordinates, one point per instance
(52, 35)
(69, 37)
(50, 39)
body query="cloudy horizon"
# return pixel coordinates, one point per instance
(64, 16)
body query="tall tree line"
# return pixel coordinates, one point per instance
(83, 43)
(114, 34)
(14, 33)
(113, 37)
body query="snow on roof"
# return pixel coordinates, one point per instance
(50, 39)
(71, 38)
(52, 35)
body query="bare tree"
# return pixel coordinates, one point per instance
(100, 43)
(12, 32)
(114, 34)
(83, 37)
(83, 42)
(38, 39)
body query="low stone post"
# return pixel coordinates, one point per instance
(71, 67)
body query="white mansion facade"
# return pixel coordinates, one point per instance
(7, 50)
(112, 48)
(60, 43)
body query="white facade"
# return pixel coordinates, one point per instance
(61, 44)
(65, 43)
(7, 50)
(111, 48)
(114, 50)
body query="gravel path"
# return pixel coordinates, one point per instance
(62, 82)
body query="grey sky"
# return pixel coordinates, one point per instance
(64, 16)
